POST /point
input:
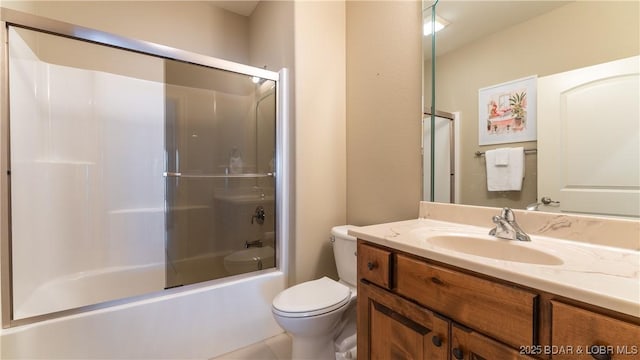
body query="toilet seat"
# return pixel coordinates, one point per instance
(311, 298)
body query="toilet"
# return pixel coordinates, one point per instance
(318, 313)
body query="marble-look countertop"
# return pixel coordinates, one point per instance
(601, 275)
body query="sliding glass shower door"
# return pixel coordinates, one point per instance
(87, 154)
(132, 173)
(220, 143)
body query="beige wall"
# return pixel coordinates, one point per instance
(194, 26)
(573, 36)
(271, 31)
(384, 82)
(320, 134)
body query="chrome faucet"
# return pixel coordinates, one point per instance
(507, 227)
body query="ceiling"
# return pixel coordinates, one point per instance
(471, 20)
(242, 7)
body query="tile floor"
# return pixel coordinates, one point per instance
(275, 348)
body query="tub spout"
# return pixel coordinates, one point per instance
(254, 243)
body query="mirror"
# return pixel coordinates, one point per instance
(492, 42)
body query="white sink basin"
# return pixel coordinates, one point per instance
(499, 249)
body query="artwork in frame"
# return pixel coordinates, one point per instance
(507, 112)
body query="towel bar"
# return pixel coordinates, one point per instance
(526, 151)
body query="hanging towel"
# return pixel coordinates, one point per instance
(505, 169)
(502, 156)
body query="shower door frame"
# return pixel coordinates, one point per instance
(282, 174)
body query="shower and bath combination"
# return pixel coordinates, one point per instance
(120, 175)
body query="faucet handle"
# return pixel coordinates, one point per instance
(503, 229)
(496, 220)
(508, 214)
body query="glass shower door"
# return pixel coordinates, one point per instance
(87, 154)
(132, 173)
(219, 189)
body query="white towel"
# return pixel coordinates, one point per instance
(501, 176)
(502, 156)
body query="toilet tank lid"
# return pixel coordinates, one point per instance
(342, 231)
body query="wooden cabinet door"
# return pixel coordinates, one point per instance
(469, 345)
(583, 334)
(390, 327)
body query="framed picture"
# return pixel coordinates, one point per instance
(507, 112)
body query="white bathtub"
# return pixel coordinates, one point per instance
(196, 322)
(113, 283)
(92, 287)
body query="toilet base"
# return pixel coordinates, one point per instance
(305, 348)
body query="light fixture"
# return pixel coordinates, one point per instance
(440, 24)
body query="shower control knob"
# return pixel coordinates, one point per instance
(259, 215)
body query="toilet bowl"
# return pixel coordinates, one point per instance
(252, 259)
(316, 312)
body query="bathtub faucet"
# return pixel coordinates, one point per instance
(507, 227)
(254, 243)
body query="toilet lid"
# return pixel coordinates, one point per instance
(311, 298)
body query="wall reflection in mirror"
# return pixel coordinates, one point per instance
(593, 147)
(132, 173)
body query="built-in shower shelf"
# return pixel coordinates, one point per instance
(63, 162)
(218, 176)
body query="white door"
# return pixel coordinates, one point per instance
(589, 139)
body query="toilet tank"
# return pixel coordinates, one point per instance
(344, 251)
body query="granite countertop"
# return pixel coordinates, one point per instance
(606, 276)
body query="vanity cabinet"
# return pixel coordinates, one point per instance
(414, 308)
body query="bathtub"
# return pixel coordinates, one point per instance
(192, 322)
(118, 282)
(92, 287)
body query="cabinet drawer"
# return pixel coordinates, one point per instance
(504, 312)
(468, 344)
(374, 264)
(573, 327)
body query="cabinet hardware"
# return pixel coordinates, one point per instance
(372, 265)
(599, 352)
(436, 340)
(457, 353)
(435, 280)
